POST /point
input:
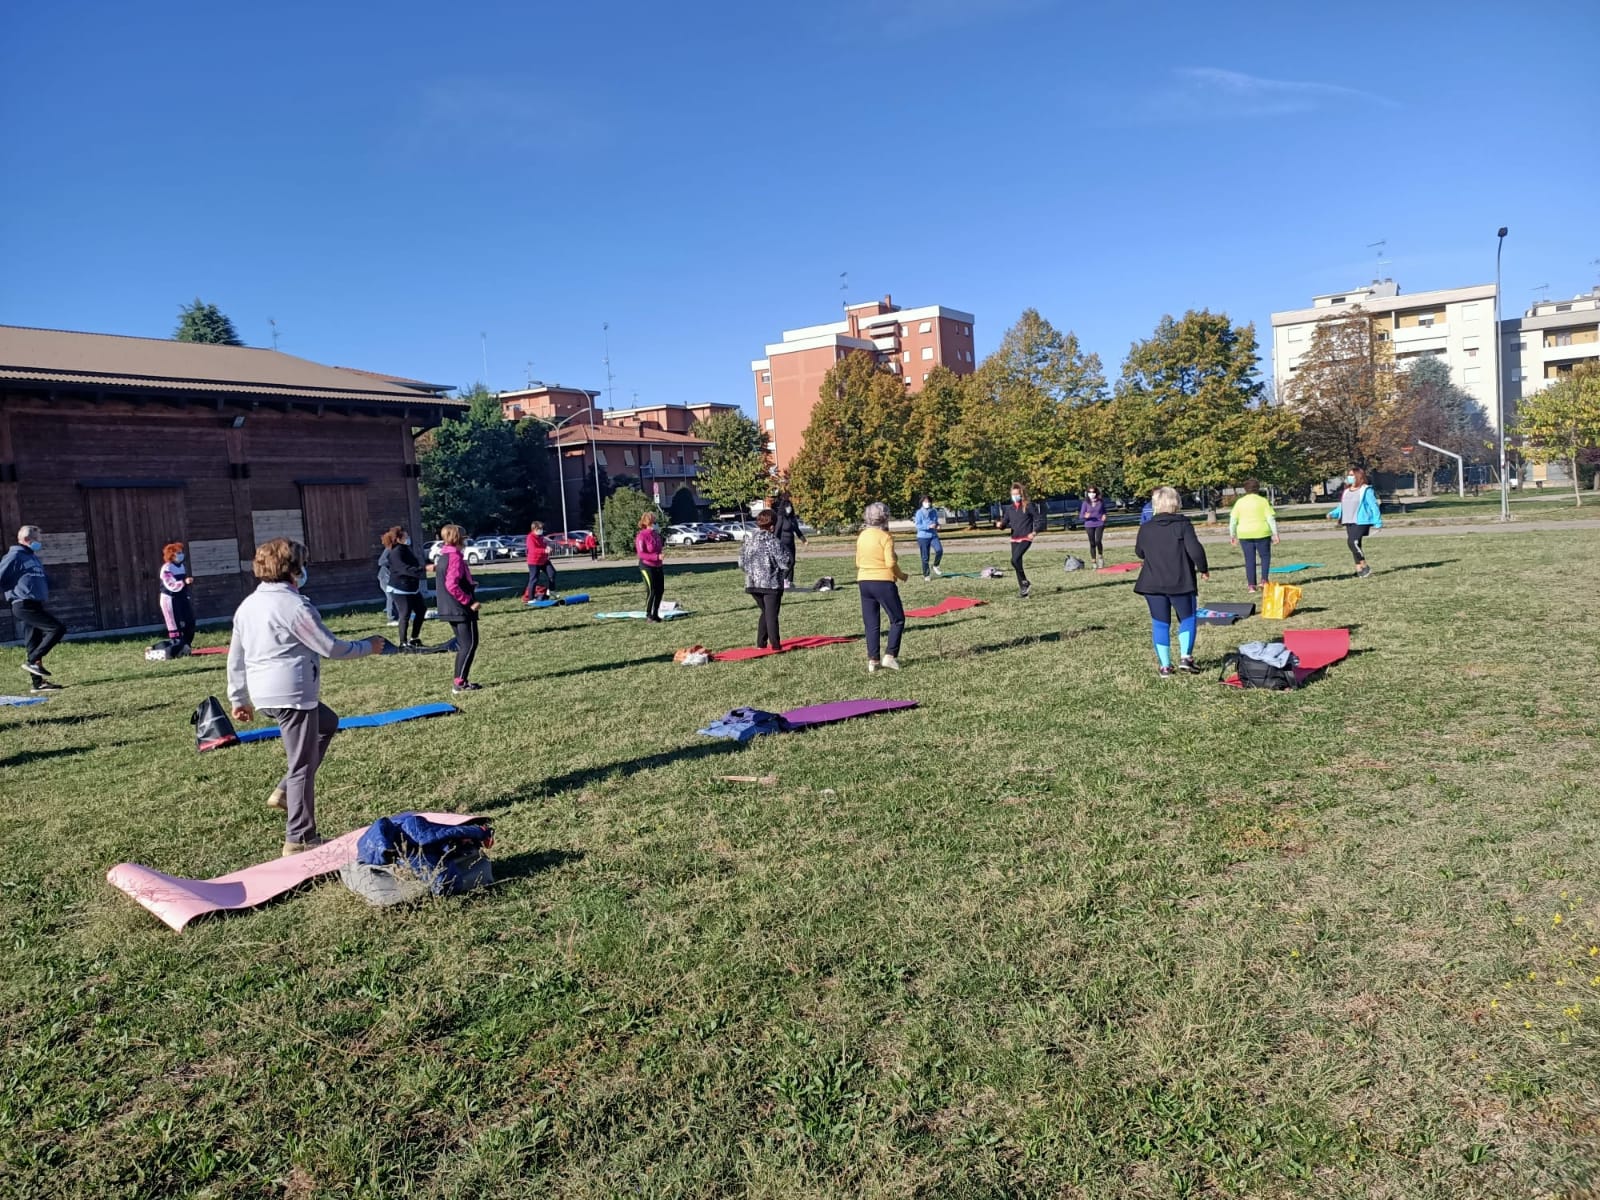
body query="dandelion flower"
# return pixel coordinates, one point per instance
(1556, 920)
(1594, 950)
(1527, 1024)
(1533, 974)
(1494, 1004)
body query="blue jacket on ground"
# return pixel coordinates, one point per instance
(926, 521)
(22, 575)
(1368, 512)
(427, 848)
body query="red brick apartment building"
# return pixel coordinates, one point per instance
(908, 341)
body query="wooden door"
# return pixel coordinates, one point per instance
(127, 529)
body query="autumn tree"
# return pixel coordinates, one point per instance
(1561, 422)
(733, 468)
(1344, 392)
(1440, 412)
(202, 322)
(1190, 411)
(934, 415)
(856, 448)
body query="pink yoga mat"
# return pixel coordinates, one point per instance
(800, 643)
(178, 901)
(1119, 568)
(841, 710)
(950, 605)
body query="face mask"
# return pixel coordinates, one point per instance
(300, 580)
(36, 546)
(1094, 495)
(1016, 497)
(927, 504)
(1350, 479)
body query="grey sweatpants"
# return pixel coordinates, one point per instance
(306, 734)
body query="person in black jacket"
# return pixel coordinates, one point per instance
(1024, 519)
(400, 563)
(1172, 556)
(788, 529)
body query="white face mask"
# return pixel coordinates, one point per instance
(927, 504)
(300, 581)
(1016, 497)
(177, 558)
(1350, 479)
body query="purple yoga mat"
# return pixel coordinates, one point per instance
(841, 710)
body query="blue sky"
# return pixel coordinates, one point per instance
(391, 181)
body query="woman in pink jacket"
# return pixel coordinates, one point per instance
(458, 604)
(647, 545)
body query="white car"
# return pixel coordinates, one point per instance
(682, 535)
(735, 530)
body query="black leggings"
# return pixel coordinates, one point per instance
(1354, 534)
(1097, 541)
(767, 624)
(411, 607)
(466, 630)
(1018, 549)
(655, 582)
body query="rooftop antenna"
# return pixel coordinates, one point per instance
(1595, 262)
(484, 337)
(605, 328)
(844, 289)
(529, 366)
(1382, 261)
(273, 321)
(1545, 289)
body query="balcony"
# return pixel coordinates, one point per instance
(1418, 337)
(668, 470)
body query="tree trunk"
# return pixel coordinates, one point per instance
(1577, 484)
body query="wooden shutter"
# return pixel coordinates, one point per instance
(336, 524)
(128, 526)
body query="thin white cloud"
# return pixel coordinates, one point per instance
(1203, 93)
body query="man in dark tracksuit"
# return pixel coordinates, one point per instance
(1023, 519)
(788, 530)
(23, 582)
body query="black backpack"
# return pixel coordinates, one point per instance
(1253, 673)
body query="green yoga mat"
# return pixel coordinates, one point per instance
(1291, 568)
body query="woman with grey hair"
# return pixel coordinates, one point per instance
(877, 573)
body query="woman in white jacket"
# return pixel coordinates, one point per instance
(274, 664)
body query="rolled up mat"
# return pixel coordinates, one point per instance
(950, 605)
(841, 710)
(370, 721)
(177, 901)
(800, 643)
(560, 601)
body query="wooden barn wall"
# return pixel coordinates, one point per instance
(57, 446)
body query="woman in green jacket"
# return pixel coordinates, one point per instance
(1253, 525)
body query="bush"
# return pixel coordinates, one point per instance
(683, 507)
(622, 513)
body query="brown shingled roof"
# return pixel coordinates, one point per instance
(111, 362)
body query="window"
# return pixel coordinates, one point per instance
(905, 356)
(1383, 335)
(627, 458)
(336, 522)
(967, 330)
(1472, 375)
(1336, 300)
(1563, 308)
(905, 331)
(1469, 312)
(1560, 338)
(1297, 333)
(1472, 352)
(1516, 374)
(925, 377)
(766, 377)
(927, 326)
(1425, 322)
(927, 353)
(766, 401)
(771, 424)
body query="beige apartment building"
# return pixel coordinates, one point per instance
(1546, 342)
(1452, 324)
(909, 342)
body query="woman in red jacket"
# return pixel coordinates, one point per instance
(647, 545)
(539, 566)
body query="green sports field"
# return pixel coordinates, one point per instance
(1067, 930)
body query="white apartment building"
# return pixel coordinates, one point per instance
(1549, 340)
(1455, 324)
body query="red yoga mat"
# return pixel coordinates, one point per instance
(800, 643)
(1314, 649)
(1119, 568)
(209, 650)
(950, 605)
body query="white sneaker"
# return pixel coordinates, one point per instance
(926, 579)
(394, 624)
(936, 571)
(891, 663)
(278, 800)
(872, 666)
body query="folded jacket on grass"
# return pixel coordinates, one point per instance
(177, 901)
(369, 721)
(742, 724)
(950, 605)
(1291, 568)
(1118, 568)
(1314, 650)
(799, 643)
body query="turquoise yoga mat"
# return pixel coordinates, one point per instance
(1291, 568)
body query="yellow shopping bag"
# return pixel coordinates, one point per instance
(1278, 600)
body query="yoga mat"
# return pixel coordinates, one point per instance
(1224, 614)
(1315, 650)
(21, 701)
(841, 710)
(209, 650)
(639, 615)
(580, 598)
(370, 721)
(177, 901)
(950, 605)
(1291, 568)
(800, 643)
(1119, 568)
(964, 575)
(442, 648)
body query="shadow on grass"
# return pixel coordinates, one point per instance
(622, 665)
(1028, 640)
(580, 779)
(23, 757)
(1422, 566)
(533, 862)
(86, 718)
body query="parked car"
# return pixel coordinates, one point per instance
(431, 554)
(735, 530)
(480, 550)
(503, 546)
(685, 535)
(713, 531)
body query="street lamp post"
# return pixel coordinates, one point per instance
(1499, 381)
(561, 473)
(599, 500)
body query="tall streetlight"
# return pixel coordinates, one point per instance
(561, 473)
(1499, 381)
(599, 500)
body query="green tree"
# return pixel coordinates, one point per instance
(1561, 422)
(623, 509)
(483, 472)
(856, 449)
(202, 322)
(733, 468)
(1190, 411)
(1352, 412)
(935, 414)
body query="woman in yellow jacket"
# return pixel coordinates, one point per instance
(1253, 525)
(877, 572)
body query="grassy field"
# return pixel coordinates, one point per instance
(1068, 930)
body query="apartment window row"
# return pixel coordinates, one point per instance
(766, 401)
(927, 353)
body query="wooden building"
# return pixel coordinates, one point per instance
(116, 446)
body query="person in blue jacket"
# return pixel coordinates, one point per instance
(926, 520)
(26, 588)
(1147, 512)
(1358, 512)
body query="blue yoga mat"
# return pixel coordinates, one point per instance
(1291, 568)
(21, 701)
(579, 598)
(367, 722)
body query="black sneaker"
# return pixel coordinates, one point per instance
(466, 687)
(44, 685)
(1363, 571)
(1024, 590)
(1165, 672)
(36, 670)
(1186, 665)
